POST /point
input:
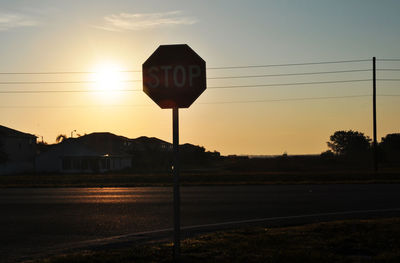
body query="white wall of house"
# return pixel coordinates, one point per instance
(94, 164)
(121, 162)
(53, 162)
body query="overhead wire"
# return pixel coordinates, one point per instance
(288, 84)
(64, 91)
(388, 59)
(59, 82)
(216, 102)
(209, 68)
(291, 64)
(212, 87)
(289, 99)
(213, 102)
(291, 74)
(64, 72)
(388, 69)
(388, 79)
(209, 78)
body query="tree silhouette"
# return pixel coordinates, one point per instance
(349, 143)
(61, 137)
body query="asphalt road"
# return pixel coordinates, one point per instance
(34, 220)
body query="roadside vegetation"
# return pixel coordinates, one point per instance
(375, 240)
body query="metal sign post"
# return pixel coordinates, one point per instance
(177, 195)
(174, 76)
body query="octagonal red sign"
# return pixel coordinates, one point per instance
(174, 76)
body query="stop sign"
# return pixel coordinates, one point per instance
(174, 76)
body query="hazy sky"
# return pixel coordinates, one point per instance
(99, 36)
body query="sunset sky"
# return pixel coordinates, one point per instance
(101, 45)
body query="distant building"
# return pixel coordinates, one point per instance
(93, 153)
(149, 144)
(17, 151)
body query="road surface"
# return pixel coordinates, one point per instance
(35, 220)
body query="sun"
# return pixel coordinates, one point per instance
(108, 81)
(108, 77)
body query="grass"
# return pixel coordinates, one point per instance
(376, 240)
(201, 178)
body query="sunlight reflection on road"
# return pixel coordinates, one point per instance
(110, 195)
(90, 195)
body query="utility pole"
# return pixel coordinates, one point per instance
(375, 143)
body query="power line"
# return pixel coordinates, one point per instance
(210, 68)
(288, 84)
(292, 64)
(292, 74)
(63, 91)
(224, 77)
(203, 103)
(212, 87)
(289, 99)
(59, 82)
(64, 72)
(72, 106)
(214, 102)
(388, 69)
(388, 79)
(388, 59)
